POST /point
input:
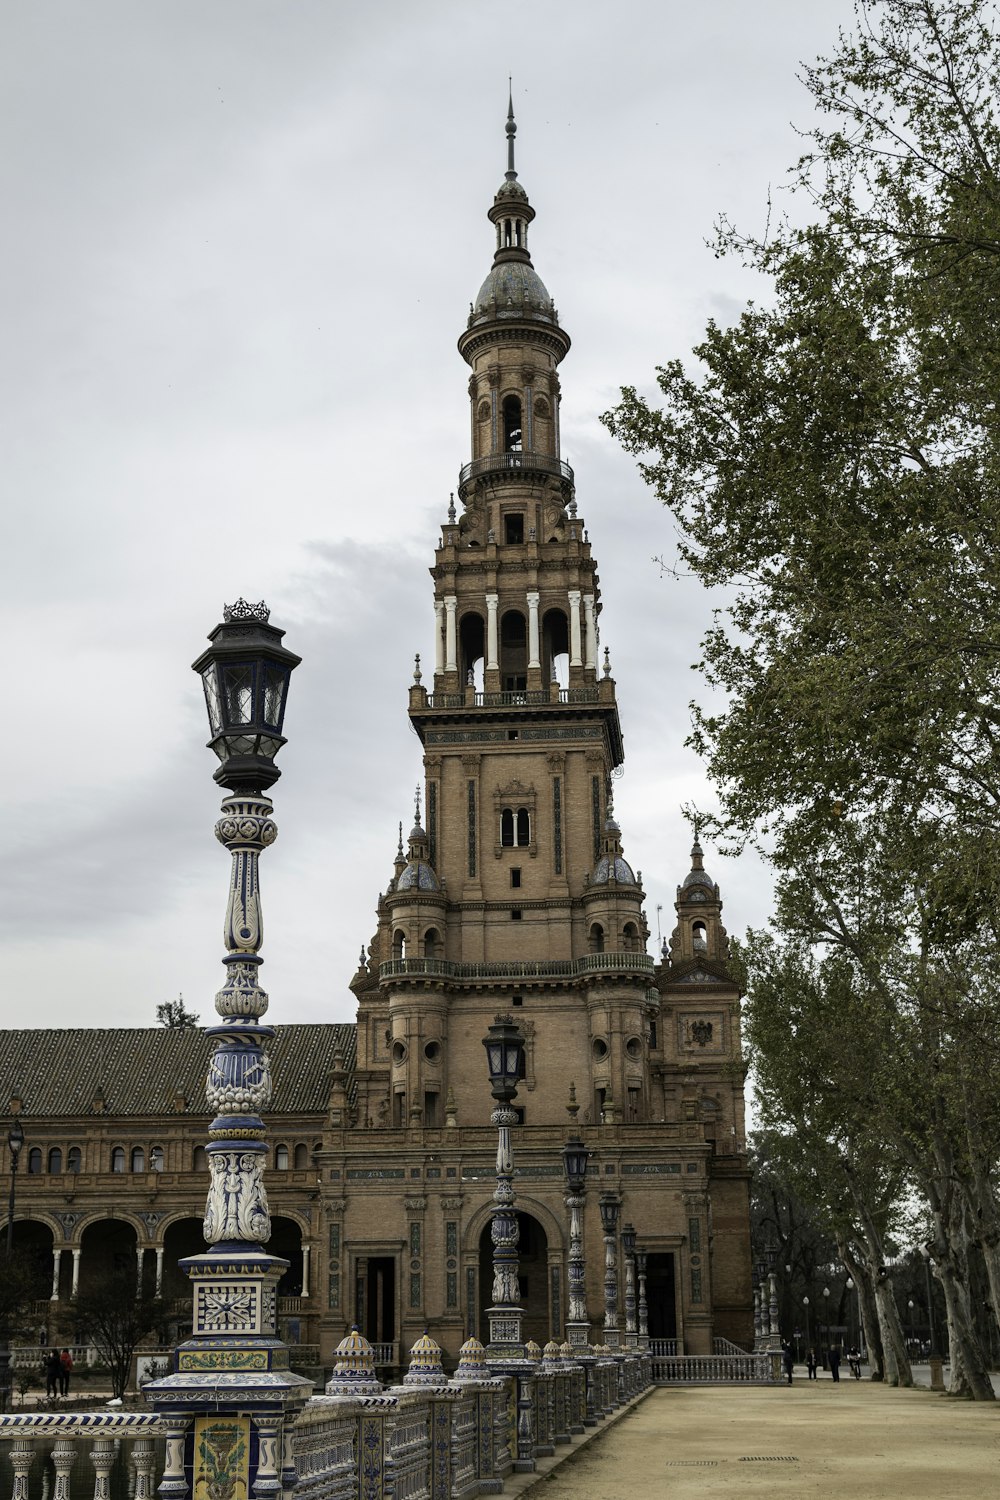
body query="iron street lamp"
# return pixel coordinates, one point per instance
(610, 1206)
(771, 1256)
(575, 1155)
(628, 1247)
(805, 1304)
(505, 1059)
(932, 1352)
(15, 1140)
(640, 1256)
(245, 675)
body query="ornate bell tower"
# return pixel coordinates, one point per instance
(515, 880)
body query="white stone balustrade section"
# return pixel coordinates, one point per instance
(74, 1437)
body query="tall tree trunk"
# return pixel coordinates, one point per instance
(896, 1360)
(969, 1375)
(853, 1259)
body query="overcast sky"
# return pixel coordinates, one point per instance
(240, 243)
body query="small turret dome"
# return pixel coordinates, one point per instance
(698, 875)
(612, 866)
(513, 289)
(418, 876)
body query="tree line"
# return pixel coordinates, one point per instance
(832, 459)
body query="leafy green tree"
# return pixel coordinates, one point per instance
(832, 459)
(115, 1315)
(175, 1016)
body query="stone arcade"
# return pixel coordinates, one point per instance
(512, 893)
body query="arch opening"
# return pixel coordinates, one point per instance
(555, 647)
(511, 412)
(472, 646)
(513, 652)
(532, 1276)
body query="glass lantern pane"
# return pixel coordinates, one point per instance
(238, 688)
(275, 681)
(211, 686)
(494, 1052)
(268, 746)
(242, 744)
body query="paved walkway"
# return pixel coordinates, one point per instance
(852, 1440)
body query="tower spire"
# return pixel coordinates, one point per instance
(511, 173)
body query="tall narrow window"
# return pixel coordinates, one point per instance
(507, 828)
(156, 1159)
(511, 424)
(138, 1159)
(513, 529)
(55, 1161)
(523, 827)
(74, 1159)
(281, 1158)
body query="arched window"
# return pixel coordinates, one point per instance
(281, 1158)
(156, 1158)
(55, 1160)
(507, 828)
(432, 943)
(513, 652)
(34, 1161)
(472, 649)
(301, 1157)
(555, 647)
(597, 938)
(399, 943)
(74, 1159)
(511, 424)
(118, 1159)
(630, 938)
(199, 1160)
(699, 937)
(137, 1160)
(523, 828)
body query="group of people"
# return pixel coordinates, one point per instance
(58, 1369)
(812, 1361)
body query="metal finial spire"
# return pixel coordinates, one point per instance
(416, 804)
(511, 132)
(399, 846)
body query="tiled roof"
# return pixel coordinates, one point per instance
(142, 1071)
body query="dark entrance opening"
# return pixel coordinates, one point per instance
(376, 1298)
(533, 1273)
(660, 1297)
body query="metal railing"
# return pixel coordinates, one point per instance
(524, 698)
(713, 1369)
(522, 968)
(500, 463)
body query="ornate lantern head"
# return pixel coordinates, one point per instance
(15, 1140)
(628, 1238)
(505, 1058)
(610, 1206)
(245, 674)
(575, 1156)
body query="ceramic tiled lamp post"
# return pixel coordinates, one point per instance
(228, 1399)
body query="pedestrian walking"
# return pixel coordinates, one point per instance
(65, 1371)
(811, 1363)
(53, 1372)
(787, 1359)
(854, 1360)
(834, 1358)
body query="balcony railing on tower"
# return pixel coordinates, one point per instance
(500, 463)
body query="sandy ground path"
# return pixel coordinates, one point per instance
(853, 1440)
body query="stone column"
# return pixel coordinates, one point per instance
(533, 657)
(590, 621)
(159, 1269)
(140, 1251)
(143, 1463)
(56, 1267)
(492, 645)
(63, 1459)
(575, 645)
(102, 1456)
(438, 635)
(22, 1456)
(76, 1252)
(305, 1270)
(450, 638)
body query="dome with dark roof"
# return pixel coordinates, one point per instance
(510, 188)
(612, 865)
(698, 875)
(518, 291)
(418, 876)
